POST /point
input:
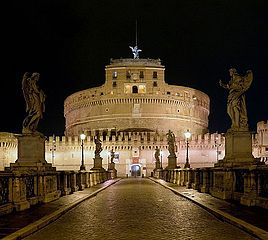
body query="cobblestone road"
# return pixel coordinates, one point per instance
(137, 208)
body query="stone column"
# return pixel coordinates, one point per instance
(250, 195)
(196, 183)
(205, 183)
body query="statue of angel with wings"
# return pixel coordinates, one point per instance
(35, 102)
(236, 102)
(135, 52)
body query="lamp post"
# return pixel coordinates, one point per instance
(187, 135)
(82, 137)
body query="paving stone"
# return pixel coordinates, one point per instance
(138, 208)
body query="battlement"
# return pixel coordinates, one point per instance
(8, 140)
(262, 126)
(139, 139)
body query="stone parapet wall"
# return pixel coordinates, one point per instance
(247, 186)
(67, 152)
(20, 192)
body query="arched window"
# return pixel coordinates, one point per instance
(134, 89)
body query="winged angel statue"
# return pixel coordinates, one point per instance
(236, 102)
(35, 102)
(135, 51)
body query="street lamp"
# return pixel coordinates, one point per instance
(161, 159)
(82, 137)
(187, 135)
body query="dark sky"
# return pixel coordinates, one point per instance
(70, 42)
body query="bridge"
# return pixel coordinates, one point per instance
(136, 208)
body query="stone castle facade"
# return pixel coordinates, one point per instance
(131, 114)
(135, 97)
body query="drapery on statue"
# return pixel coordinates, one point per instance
(171, 142)
(98, 146)
(157, 154)
(35, 102)
(236, 102)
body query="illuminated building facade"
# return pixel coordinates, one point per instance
(131, 113)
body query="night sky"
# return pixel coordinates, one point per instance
(70, 42)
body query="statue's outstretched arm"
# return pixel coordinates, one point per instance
(226, 86)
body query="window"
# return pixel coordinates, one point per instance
(114, 75)
(168, 93)
(114, 84)
(154, 84)
(141, 74)
(134, 89)
(154, 74)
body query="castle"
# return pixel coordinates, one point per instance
(131, 114)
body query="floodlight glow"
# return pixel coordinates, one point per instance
(82, 136)
(187, 134)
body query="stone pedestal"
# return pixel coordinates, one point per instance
(223, 184)
(111, 166)
(231, 173)
(157, 165)
(97, 163)
(112, 172)
(172, 162)
(40, 176)
(158, 173)
(238, 150)
(31, 154)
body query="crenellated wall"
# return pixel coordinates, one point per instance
(64, 152)
(8, 149)
(260, 141)
(134, 148)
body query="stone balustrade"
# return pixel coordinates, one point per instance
(249, 186)
(19, 192)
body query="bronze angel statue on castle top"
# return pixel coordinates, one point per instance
(35, 102)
